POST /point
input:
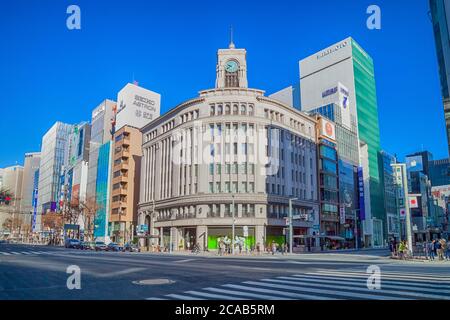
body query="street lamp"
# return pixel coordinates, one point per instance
(232, 228)
(290, 223)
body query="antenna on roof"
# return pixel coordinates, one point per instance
(231, 46)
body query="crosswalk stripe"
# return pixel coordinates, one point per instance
(13, 252)
(213, 296)
(183, 297)
(6, 253)
(154, 298)
(296, 295)
(334, 292)
(385, 284)
(360, 289)
(246, 294)
(394, 273)
(350, 274)
(26, 252)
(35, 252)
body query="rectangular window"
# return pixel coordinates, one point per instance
(218, 189)
(251, 187)
(227, 187)
(211, 187)
(227, 168)
(219, 168)
(211, 168)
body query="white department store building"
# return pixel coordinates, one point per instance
(231, 143)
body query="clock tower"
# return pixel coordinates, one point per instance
(231, 70)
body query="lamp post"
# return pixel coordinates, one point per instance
(356, 227)
(290, 224)
(232, 227)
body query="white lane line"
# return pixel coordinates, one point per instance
(360, 289)
(385, 283)
(213, 296)
(334, 292)
(398, 277)
(183, 297)
(254, 296)
(272, 291)
(182, 261)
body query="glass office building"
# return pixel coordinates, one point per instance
(440, 15)
(102, 191)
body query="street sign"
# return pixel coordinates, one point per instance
(287, 220)
(245, 231)
(296, 217)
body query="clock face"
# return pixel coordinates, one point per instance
(231, 66)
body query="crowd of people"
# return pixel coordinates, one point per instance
(434, 249)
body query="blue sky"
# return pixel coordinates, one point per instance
(49, 73)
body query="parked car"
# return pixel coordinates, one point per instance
(113, 247)
(100, 246)
(131, 247)
(85, 245)
(72, 243)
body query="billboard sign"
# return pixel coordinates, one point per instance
(136, 106)
(362, 210)
(413, 203)
(414, 163)
(327, 129)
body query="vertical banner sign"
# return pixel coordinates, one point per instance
(342, 214)
(35, 200)
(362, 212)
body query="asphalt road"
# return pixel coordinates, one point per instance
(40, 272)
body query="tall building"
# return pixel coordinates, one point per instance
(231, 152)
(31, 165)
(439, 172)
(289, 96)
(101, 132)
(440, 14)
(12, 181)
(53, 157)
(344, 74)
(75, 169)
(390, 187)
(126, 170)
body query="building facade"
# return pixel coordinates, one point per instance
(53, 157)
(101, 132)
(344, 73)
(392, 226)
(31, 166)
(231, 152)
(440, 15)
(126, 170)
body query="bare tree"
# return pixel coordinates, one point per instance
(89, 208)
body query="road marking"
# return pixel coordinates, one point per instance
(363, 289)
(275, 294)
(385, 284)
(387, 276)
(26, 252)
(35, 252)
(154, 298)
(13, 252)
(6, 253)
(335, 292)
(182, 261)
(116, 273)
(212, 296)
(283, 293)
(183, 297)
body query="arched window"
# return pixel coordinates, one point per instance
(219, 110)
(212, 112)
(227, 109)
(250, 110)
(243, 109)
(235, 109)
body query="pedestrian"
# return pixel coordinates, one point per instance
(447, 251)
(391, 247)
(438, 248)
(442, 247)
(401, 249)
(430, 250)
(274, 247)
(258, 248)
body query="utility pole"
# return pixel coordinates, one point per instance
(356, 229)
(232, 229)
(290, 224)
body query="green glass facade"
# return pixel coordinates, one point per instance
(369, 132)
